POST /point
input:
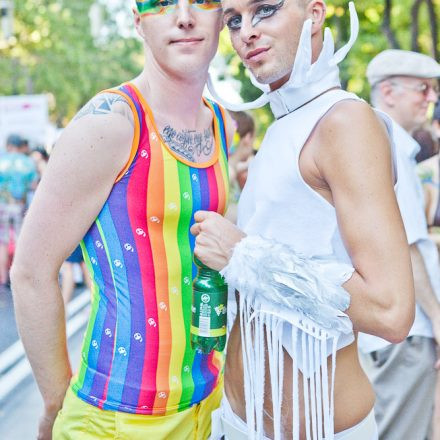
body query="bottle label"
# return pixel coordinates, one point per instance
(208, 315)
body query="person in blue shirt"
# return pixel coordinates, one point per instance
(18, 175)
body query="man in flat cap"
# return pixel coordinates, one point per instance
(429, 172)
(403, 85)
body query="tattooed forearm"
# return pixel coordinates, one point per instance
(189, 144)
(104, 104)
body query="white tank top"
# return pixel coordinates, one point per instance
(276, 202)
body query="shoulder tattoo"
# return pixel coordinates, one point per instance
(104, 104)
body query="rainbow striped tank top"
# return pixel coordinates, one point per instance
(136, 354)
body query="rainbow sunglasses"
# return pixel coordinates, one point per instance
(162, 7)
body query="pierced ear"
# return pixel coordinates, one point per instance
(317, 11)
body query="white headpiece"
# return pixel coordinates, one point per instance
(307, 80)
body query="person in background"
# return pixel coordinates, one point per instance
(403, 85)
(429, 173)
(18, 176)
(40, 156)
(429, 145)
(24, 147)
(436, 122)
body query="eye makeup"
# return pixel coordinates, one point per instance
(162, 7)
(262, 12)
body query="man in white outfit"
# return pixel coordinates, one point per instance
(403, 375)
(318, 212)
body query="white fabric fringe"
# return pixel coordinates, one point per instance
(277, 287)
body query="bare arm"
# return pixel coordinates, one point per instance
(350, 166)
(355, 162)
(79, 176)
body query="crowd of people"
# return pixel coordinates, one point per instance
(328, 245)
(21, 169)
(18, 180)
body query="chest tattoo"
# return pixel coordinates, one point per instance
(189, 144)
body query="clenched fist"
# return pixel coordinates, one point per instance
(215, 239)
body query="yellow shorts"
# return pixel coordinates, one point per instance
(78, 420)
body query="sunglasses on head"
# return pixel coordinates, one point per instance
(162, 7)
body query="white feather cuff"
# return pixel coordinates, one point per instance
(271, 272)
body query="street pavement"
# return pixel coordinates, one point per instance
(20, 413)
(8, 328)
(21, 409)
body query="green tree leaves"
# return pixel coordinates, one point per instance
(384, 24)
(53, 52)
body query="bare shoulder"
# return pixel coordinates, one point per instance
(353, 131)
(106, 119)
(350, 117)
(104, 104)
(98, 138)
(101, 132)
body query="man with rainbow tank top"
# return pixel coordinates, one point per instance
(125, 179)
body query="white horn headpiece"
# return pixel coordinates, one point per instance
(307, 80)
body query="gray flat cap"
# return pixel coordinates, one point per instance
(395, 62)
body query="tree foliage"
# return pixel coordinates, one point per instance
(384, 24)
(53, 51)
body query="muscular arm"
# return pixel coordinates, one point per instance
(354, 161)
(350, 166)
(79, 176)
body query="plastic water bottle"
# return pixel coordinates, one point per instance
(209, 310)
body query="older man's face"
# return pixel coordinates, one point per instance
(266, 34)
(411, 97)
